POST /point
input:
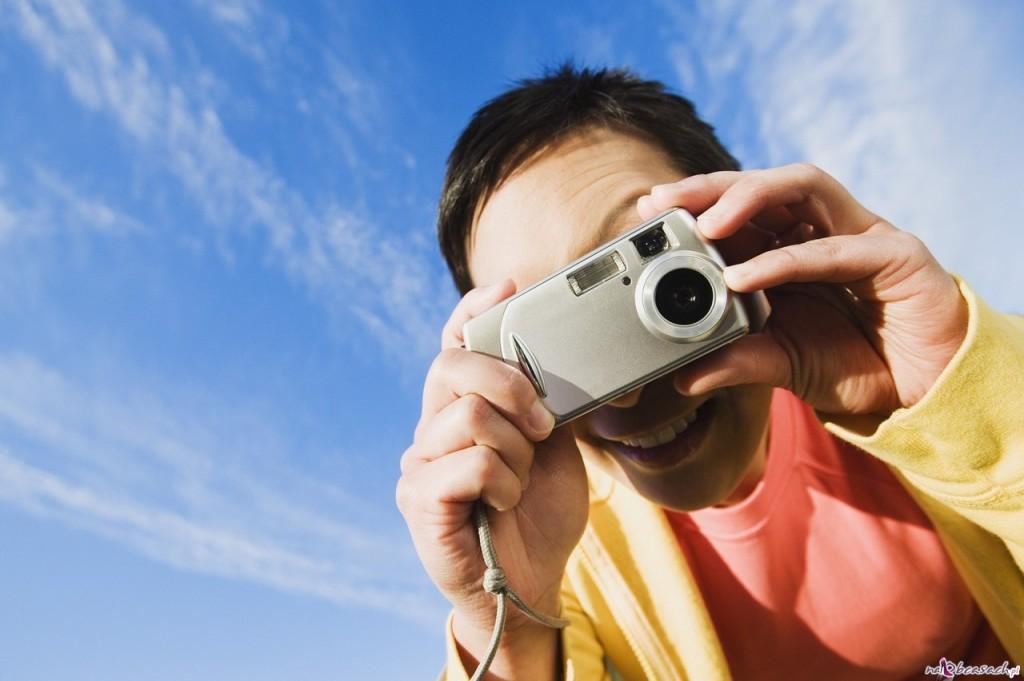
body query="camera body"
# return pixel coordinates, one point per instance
(624, 314)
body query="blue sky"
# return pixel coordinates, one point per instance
(219, 289)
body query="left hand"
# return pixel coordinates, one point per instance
(864, 319)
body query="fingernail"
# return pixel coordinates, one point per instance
(735, 274)
(540, 418)
(680, 386)
(706, 222)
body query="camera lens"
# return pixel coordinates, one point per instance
(684, 296)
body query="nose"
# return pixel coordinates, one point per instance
(627, 400)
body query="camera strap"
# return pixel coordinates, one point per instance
(495, 583)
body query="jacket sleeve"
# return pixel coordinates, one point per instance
(582, 655)
(962, 444)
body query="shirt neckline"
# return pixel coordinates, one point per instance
(750, 515)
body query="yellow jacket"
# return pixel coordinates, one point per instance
(636, 611)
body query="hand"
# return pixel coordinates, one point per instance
(483, 434)
(863, 317)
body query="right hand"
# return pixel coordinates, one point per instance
(483, 434)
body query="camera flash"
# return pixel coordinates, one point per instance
(596, 272)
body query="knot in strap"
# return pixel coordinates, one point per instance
(494, 580)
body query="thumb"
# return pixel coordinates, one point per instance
(757, 358)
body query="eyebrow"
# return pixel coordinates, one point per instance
(608, 224)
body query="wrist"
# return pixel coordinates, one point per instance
(477, 610)
(529, 652)
(944, 345)
(477, 621)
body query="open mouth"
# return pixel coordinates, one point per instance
(669, 445)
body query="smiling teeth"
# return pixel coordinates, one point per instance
(663, 436)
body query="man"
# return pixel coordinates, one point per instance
(750, 542)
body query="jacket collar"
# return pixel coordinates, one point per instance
(636, 558)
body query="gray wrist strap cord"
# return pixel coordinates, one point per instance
(495, 583)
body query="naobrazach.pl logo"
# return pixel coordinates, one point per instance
(947, 669)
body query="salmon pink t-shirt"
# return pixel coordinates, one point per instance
(828, 569)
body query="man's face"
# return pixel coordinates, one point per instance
(571, 198)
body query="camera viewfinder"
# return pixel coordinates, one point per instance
(651, 242)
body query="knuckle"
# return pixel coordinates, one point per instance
(785, 258)
(807, 172)
(516, 495)
(828, 249)
(404, 495)
(485, 463)
(449, 331)
(701, 185)
(406, 461)
(476, 411)
(443, 363)
(910, 242)
(915, 253)
(661, 191)
(458, 312)
(409, 460)
(754, 188)
(831, 253)
(671, 189)
(516, 389)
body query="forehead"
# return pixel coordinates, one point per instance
(563, 203)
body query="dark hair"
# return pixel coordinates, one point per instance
(538, 112)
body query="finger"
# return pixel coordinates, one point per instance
(475, 302)
(469, 421)
(459, 478)
(757, 358)
(745, 244)
(798, 233)
(457, 372)
(808, 193)
(700, 192)
(696, 193)
(835, 259)
(645, 207)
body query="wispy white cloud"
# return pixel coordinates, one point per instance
(44, 203)
(184, 489)
(361, 101)
(172, 539)
(7, 221)
(913, 105)
(249, 25)
(109, 71)
(191, 480)
(233, 12)
(80, 211)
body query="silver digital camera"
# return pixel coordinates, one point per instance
(619, 317)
